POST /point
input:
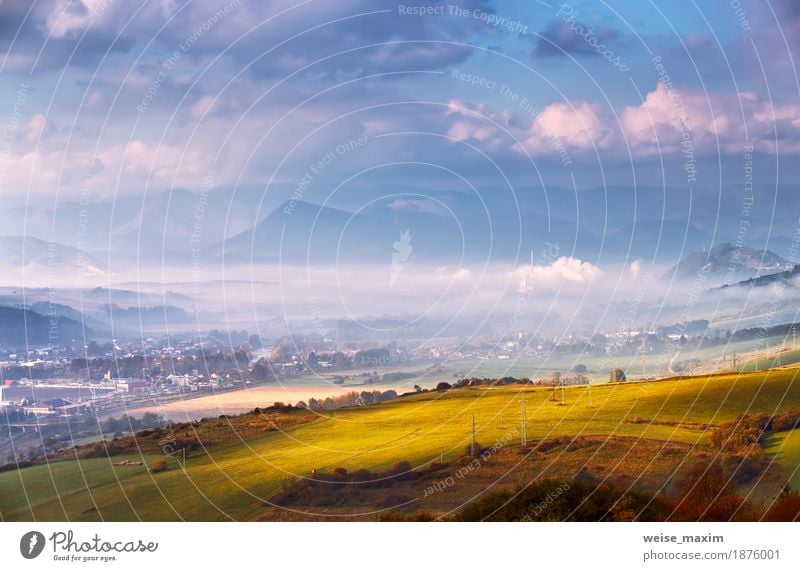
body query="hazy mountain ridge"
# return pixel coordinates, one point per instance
(237, 225)
(25, 327)
(21, 251)
(728, 262)
(786, 277)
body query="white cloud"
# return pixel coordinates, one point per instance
(36, 128)
(666, 119)
(579, 125)
(635, 270)
(565, 271)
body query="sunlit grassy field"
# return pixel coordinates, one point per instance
(232, 481)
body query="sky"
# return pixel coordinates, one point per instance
(355, 103)
(107, 98)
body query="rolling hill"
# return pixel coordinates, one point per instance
(21, 328)
(236, 480)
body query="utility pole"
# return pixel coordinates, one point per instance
(524, 438)
(590, 395)
(734, 362)
(562, 391)
(472, 446)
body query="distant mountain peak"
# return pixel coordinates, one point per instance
(727, 262)
(21, 251)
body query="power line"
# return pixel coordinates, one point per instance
(472, 445)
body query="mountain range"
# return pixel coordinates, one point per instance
(28, 251)
(244, 225)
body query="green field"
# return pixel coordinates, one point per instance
(785, 448)
(716, 358)
(232, 481)
(778, 359)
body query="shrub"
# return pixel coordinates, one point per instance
(549, 444)
(403, 470)
(707, 493)
(339, 475)
(785, 508)
(787, 420)
(552, 500)
(745, 467)
(741, 435)
(158, 465)
(364, 488)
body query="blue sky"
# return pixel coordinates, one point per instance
(120, 98)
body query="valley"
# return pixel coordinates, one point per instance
(636, 434)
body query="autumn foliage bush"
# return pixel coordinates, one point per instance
(158, 465)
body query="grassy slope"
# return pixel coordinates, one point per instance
(778, 359)
(785, 447)
(231, 480)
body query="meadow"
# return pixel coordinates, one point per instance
(235, 480)
(785, 448)
(425, 373)
(781, 357)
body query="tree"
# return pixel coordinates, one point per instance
(255, 342)
(152, 420)
(617, 375)
(280, 354)
(388, 395)
(259, 372)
